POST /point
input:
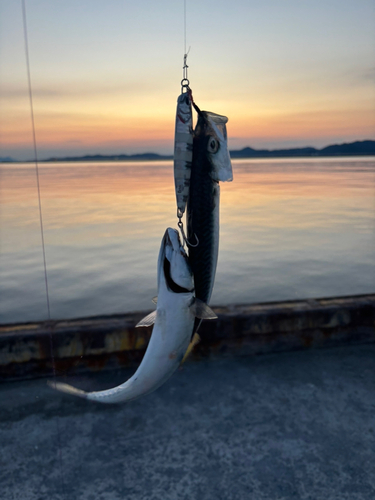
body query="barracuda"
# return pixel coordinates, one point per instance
(174, 318)
(211, 164)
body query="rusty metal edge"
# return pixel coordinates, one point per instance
(107, 342)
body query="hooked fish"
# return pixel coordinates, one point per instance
(174, 319)
(211, 164)
(183, 150)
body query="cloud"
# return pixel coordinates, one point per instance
(369, 74)
(358, 77)
(73, 90)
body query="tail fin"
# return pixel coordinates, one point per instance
(196, 339)
(68, 389)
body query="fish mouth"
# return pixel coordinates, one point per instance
(218, 123)
(174, 264)
(172, 285)
(172, 239)
(213, 127)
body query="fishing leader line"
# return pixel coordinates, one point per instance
(185, 26)
(49, 327)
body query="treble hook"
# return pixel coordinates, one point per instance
(181, 226)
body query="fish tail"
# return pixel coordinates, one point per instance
(195, 340)
(68, 389)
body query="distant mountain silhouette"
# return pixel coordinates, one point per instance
(358, 148)
(142, 156)
(351, 149)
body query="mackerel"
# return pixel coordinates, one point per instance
(174, 319)
(211, 164)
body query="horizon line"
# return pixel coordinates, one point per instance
(157, 156)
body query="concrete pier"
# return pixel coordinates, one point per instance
(294, 423)
(111, 342)
(288, 426)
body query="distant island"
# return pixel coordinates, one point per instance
(88, 158)
(136, 157)
(358, 148)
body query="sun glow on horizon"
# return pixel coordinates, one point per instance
(298, 82)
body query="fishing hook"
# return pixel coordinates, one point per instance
(181, 226)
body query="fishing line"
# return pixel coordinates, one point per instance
(185, 27)
(41, 219)
(35, 155)
(185, 80)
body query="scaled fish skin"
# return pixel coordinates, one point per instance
(211, 164)
(173, 328)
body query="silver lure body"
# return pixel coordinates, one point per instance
(211, 164)
(183, 150)
(174, 322)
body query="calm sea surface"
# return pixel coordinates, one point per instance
(290, 229)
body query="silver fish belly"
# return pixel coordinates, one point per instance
(171, 335)
(211, 164)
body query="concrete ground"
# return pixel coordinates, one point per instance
(297, 425)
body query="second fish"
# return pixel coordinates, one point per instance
(211, 164)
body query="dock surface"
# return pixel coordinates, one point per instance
(84, 345)
(292, 425)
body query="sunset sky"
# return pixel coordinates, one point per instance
(106, 75)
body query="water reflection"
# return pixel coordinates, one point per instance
(289, 229)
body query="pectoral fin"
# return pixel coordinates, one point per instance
(147, 320)
(202, 310)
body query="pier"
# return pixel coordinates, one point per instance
(276, 403)
(112, 342)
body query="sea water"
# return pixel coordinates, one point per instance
(289, 229)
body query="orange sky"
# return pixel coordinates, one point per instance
(106, 79)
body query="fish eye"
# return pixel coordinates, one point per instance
(213, 145)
